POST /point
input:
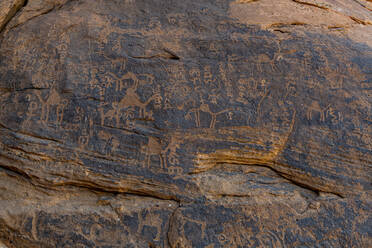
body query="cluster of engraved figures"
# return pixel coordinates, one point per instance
(129, 103)
(123, 112)
(52, 106)
(130, 107)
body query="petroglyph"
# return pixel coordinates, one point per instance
(189, 123)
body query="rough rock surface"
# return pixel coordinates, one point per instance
(213, 123)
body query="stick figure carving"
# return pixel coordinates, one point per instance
(111, 144)
(170, 152)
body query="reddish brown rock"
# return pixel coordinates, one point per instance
(8, 8)
(185, 123)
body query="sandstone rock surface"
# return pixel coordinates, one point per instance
(215, 123)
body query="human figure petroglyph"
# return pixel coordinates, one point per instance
(179, 73)
(169, 153)
(263, 92)
(290, 90)
(157, 97)
(208, 76)
(86, 134)
(226, 82)
(79, 114)
(111, 144)
(194, 75)
(83, 141)
(33, 106)
(62, 50)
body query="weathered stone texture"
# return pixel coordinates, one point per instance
(174, 123)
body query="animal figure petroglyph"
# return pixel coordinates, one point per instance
(120, 81)
(110, 114)
(131, 98)
(204, 107)
(264, 59)
(150, 220)
(153, 148)
(129, 102)
(53, 100)
(315, 107)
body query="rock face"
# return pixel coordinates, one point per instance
(174, 123)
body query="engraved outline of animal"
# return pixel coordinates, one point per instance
(112, 113)
(153, 148)
(204, 107)
(53, 99)
(131, 98)
(315, 107)
(263, 59)
(150, 219)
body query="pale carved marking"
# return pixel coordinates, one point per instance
(153, 148)
(32, 108)
(151, 219)
(53, 100)
(204, 107)
(111, 143)
(316, 108)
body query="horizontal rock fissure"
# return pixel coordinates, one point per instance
(310, 4)
(282, 175)
(166, 55)
(90, 186)
(234, 123)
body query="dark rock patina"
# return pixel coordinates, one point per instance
(185, 123)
